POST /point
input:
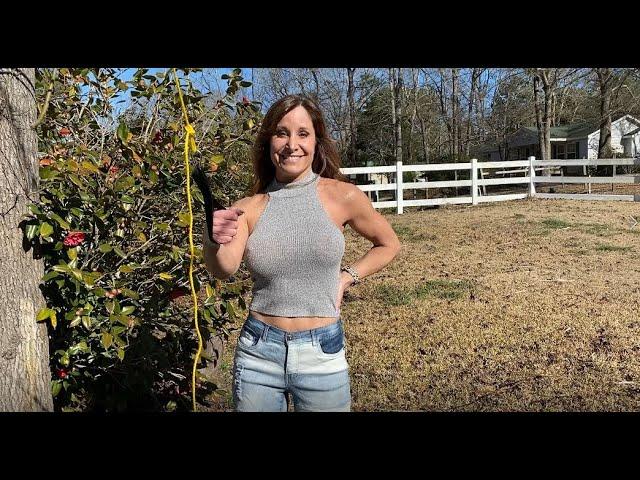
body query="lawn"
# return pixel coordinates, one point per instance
(529, 305)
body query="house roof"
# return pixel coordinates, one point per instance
(571, 131)
(632, 133)
(577, 129)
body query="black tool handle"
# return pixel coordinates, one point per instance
(210, 203)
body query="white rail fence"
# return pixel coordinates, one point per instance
(480, 169)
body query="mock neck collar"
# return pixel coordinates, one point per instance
(295, 188)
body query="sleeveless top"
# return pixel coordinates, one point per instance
(294, 253)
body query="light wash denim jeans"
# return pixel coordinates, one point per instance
(310, 365)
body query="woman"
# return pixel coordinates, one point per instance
(290, 234)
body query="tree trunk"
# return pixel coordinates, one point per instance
(604, 144)
(548, 90)
(398, 95)
(424, 133)
(446, 118)
(454, 113)
(539, 126)
(316, 82)
(24, 351)
(474, 80)
(394, 115)
(414, 114)
(425, 140)
(351, 93)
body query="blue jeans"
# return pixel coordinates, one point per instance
(310, 365)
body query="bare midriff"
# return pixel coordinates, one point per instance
(293, 324)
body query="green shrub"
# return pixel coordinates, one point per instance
(112, 226)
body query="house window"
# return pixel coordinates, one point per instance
(572, 151)
(561, 153)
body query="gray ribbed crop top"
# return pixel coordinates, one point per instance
(294, 253)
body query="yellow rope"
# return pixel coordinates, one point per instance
(190, 145)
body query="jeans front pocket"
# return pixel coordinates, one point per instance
(331, 343)
(248, 338)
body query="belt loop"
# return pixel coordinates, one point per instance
(314, 337)
(265, 330)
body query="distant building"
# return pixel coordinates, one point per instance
(576, 140)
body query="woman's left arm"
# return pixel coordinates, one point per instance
(369, 223)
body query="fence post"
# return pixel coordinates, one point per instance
(614, 176)
(532, 176)
(399, 191)
(474, 181)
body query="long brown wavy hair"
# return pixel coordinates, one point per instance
(326, 159)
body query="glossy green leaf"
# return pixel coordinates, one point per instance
(43, 314)
(32, 231)
(46, 229)
(107, 340)
(61, 221)
(34, 209)
(56, 386)
(50, 276)
(123, 132)
(130, 293)
(99, 292)
(105, 248)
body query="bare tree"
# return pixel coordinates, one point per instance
(414, 112)
(475, 74)
(547, 79)
(541, 124)
(24, 352)
(421, 113)
(351, 89)
(550, 80)
(610, 82)
(605, 77)
(395, 82)
(455, 117)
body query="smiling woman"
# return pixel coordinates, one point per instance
(293, 145)
(290, 233)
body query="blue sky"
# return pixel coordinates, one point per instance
(127, 74)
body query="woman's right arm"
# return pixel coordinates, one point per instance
(231, 231)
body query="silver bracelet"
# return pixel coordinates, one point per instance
(351, 271)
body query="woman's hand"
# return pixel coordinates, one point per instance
(225, 224)
(346, 280)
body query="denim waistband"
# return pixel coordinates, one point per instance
(268, 332)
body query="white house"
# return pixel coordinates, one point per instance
(576, 140)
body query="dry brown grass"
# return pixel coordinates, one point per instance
(515, 306)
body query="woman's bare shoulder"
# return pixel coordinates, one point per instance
(251, 202)
(336, 189)
(344, 192)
